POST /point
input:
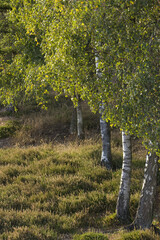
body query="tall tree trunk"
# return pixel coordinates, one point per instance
(144, 214)
(80, 130)
(73, 125)
(106, 156)
(124, 191)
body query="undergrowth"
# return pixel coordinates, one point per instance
(9, 128)
(47, 191)
(59, 190)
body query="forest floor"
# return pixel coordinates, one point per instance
(53, 187)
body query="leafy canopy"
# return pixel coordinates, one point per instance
(60, 40)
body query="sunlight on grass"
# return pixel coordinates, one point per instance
(56, 190)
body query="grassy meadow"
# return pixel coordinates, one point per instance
(53, 187)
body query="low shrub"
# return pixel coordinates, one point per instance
(90, 236)
(111, 220)
(8, 129)
(137, 235)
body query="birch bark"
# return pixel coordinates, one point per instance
(124, 191)
(106, 156)
(80, 130)
(144, 214)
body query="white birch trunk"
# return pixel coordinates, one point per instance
(144, 214)
(80, 130)
(106, 156)
(124, 191)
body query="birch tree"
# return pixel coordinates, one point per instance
(144, 214)
(128, 32)
(124, 192)
(106, 157)
(128, 56)
(80, 130)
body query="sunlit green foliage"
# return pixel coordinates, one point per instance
(59, 41)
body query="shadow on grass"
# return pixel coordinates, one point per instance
(116, 161)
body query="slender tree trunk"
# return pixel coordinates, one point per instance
(73, 125)
(106, 156)
(80, 130)
(144, 214)
(124, 191)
